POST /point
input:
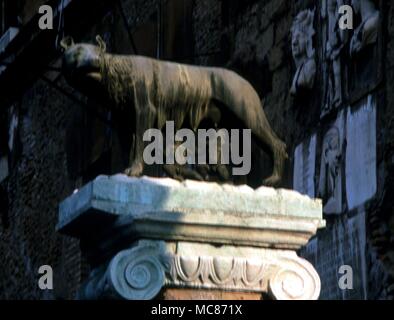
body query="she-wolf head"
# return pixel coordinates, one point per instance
(81, 62)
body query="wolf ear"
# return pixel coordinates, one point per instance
(67, 42)
(101, 43)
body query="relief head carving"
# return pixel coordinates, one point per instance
(330, 187)
(302, 33)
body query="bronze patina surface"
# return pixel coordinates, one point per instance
(159, 91)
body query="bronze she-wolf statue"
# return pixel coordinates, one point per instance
(159, 91)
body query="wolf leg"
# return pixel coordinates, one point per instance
(277, 150)
(180, 173)
(279, 157)
(144, 121)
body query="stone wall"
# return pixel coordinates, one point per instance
(255, 40)
(38, 180)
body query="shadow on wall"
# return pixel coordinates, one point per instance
(4, 208)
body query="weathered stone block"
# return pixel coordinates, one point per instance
(160, 233)
(361, 178)
(167, 209)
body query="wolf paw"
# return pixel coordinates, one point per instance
(272, 181)
(135, 170)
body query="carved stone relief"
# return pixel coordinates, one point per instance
(331, 172)
(343, 244)
(365, 49)
(334, 40)
(351, 59)
(348, 159)
(304, 167)
(367, 31)
(142, 272)
(303, 52)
